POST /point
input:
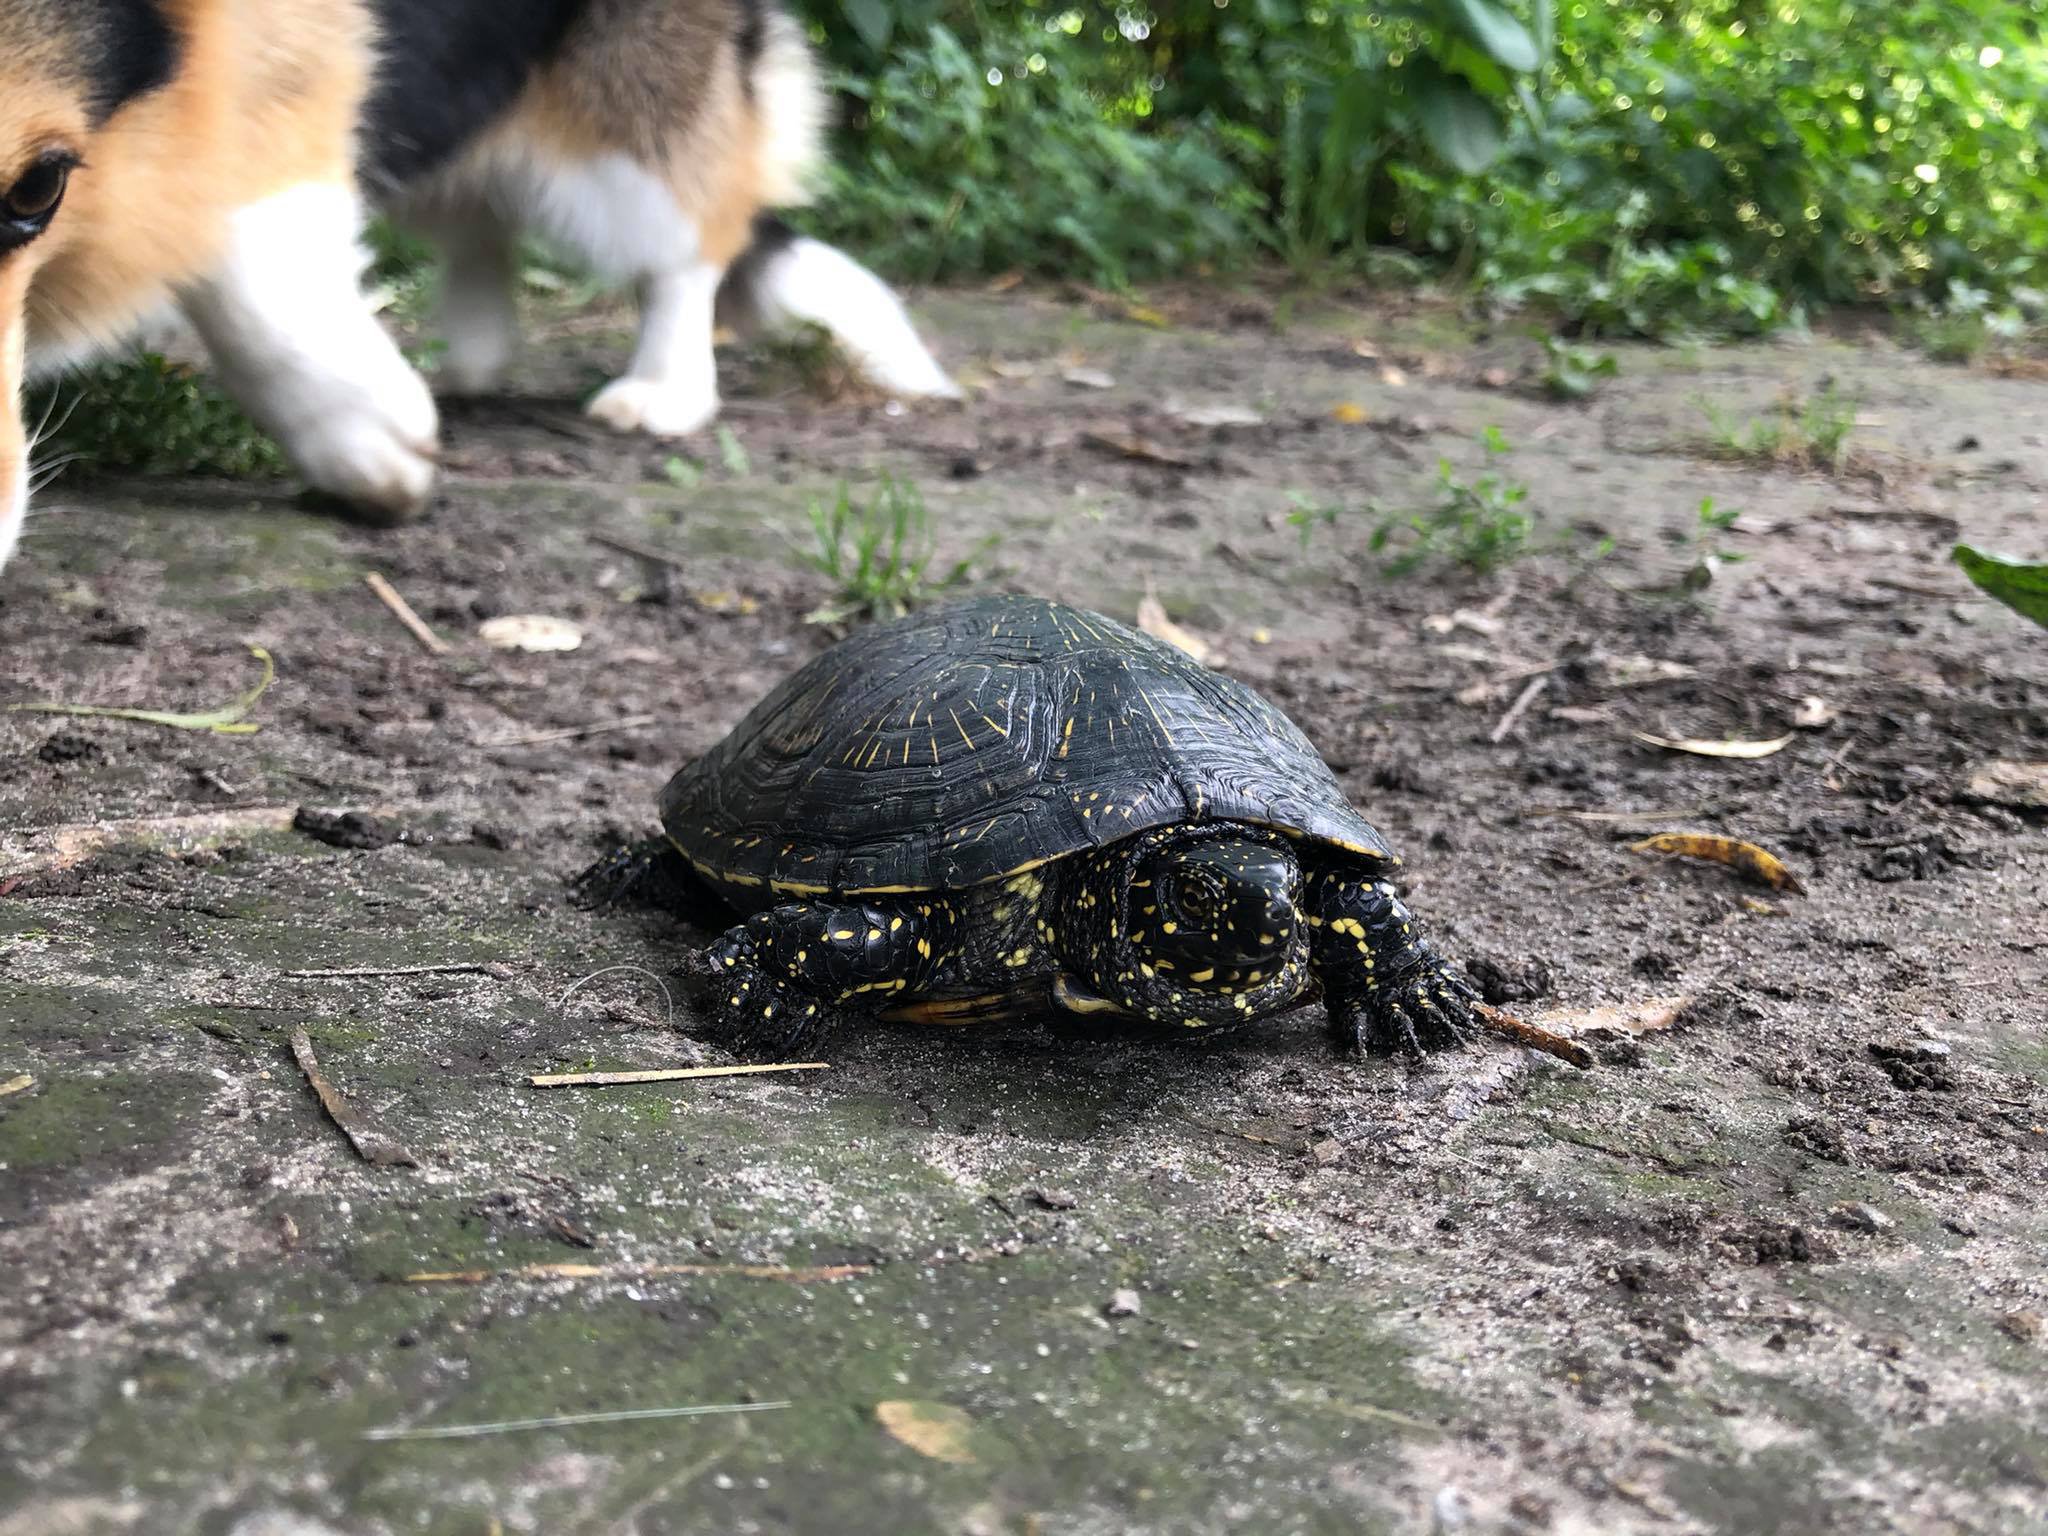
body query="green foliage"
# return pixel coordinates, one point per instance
(1573, 372)
(879, 554)
(153, 417)
(1481, 524)
(2019, 584)
(1718, 163)
(1814, 432)
(1965, 326)
(1017, 147)
(1308, 514)
(1131, 144)
(1641, 168)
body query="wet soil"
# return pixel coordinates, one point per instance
(1774, 1264)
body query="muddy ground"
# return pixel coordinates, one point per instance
(1775, 1264)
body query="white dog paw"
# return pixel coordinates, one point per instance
(659, 407)
(378, 457)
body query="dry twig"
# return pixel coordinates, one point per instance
(1508, 1027)
(812, 1275)
(375, 1146)
(565, 1420)
(666, 1074)
(572, 732)
(454, 968)
(1519, 708)
(388, 596)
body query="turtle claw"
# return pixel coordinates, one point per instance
(756, 1011)
(1426, 1010)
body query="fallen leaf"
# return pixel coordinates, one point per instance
(1494, 378)
(225, 721)
(1639, 1018)
(725, 601)
(19, 1084)
(1220, 416)
(1005, 369)
(1701, 748)
(1393, 377)
(1351, 413)
(1135, 447)
(1366, 350)
(529, 632)
(1153, 620)
(1144, 314)
(1089, 378)
(1815, 713)
(1004, 282)
(1637, 670)
(2023, 786)
(937, 1430)
(1474, 694)
(1463, 618)
(1746, 858)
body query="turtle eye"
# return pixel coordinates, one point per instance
(28, 205)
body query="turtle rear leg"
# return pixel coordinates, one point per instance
(781, 973)
(1386, 988)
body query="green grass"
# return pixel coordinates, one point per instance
(1478, 525)
(1813, 432)
(1574, 372)
(881, 554)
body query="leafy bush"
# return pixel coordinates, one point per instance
(152, 417)
(1641, 165)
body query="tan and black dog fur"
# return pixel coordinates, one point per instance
(218, 155)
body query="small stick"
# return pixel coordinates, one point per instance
(801, 1276)
(642, 551)
(376, 1147)
(388, 596)
(564, 1420)
(573, 732)
(456, 968)
(1520, 707)
(1508, 1027)
(666, 1074)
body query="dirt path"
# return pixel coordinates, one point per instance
(1774, 1265)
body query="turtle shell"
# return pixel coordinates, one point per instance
(973, 741)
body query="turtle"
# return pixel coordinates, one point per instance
(1006, 806)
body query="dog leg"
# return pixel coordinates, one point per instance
(671, 389)
(479, 319)
(293, 340)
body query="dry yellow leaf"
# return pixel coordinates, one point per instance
(1639, 1018)
(1745, 858)
(18, 1084)
(1701, 748)
(1351, 413)
(937, 1430)
(1153, 620)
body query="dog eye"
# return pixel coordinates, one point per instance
(37, 192)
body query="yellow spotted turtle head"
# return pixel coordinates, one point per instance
(1193, 925)
(1225, 899)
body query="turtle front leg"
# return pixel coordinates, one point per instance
(650, 873)
(775, 977)
(1385, 987)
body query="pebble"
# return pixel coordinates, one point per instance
(1124, 1303)
(1856, 1216)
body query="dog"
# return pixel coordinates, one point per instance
(221, 156)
